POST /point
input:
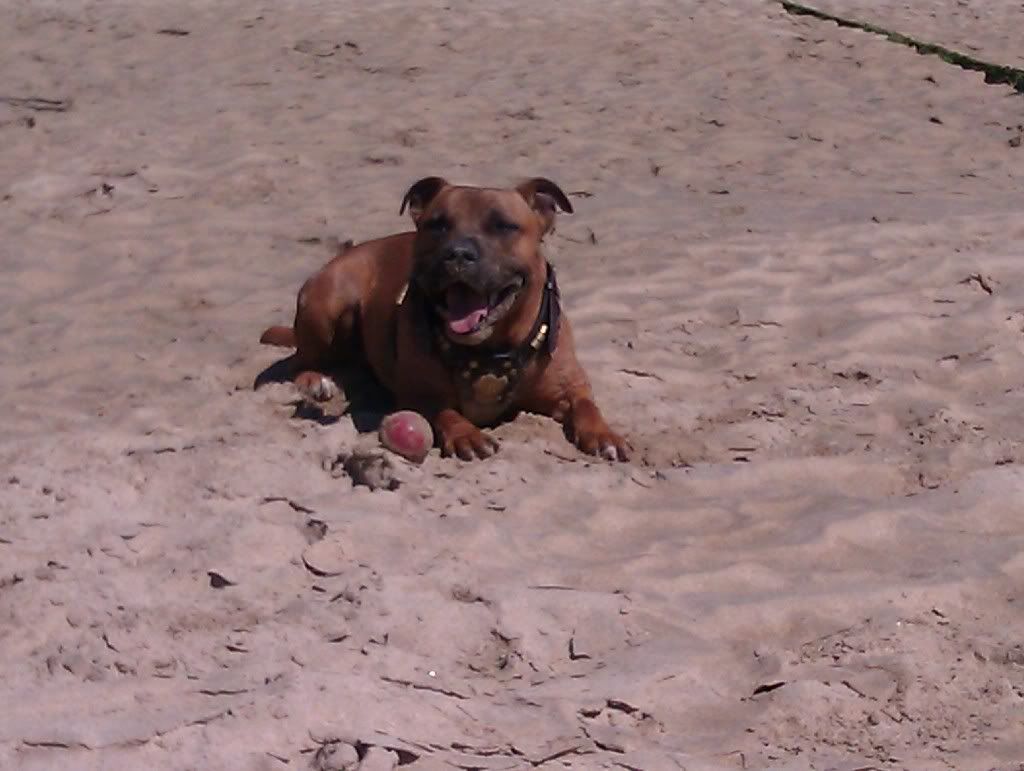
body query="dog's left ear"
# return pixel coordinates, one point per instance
(419, 196)
(545, 198)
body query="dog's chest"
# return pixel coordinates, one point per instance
(484, 397)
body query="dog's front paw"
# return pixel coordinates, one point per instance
(605, 443)
(590, 433)
(316, 386)
(467, 442)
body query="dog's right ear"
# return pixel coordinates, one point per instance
(420, 195)
(545, 198)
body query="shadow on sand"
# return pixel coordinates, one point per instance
(362, 397)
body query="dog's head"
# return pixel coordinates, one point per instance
(477, 258)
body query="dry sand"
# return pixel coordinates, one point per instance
(796, 275)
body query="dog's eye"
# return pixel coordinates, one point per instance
(505, 226)
(438, 224)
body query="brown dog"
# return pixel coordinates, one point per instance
(460, 319)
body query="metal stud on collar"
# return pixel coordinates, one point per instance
(539, 338)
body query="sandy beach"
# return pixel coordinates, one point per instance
(795, 277)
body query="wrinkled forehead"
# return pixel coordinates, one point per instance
(476, 203)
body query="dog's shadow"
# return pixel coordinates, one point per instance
(362, 396)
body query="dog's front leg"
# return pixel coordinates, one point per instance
(453, 432)
(589, 430)
(457, 436)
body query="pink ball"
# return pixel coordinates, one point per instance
(407, 433)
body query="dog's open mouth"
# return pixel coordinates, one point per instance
(467, 311)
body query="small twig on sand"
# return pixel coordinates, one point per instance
(37, 103)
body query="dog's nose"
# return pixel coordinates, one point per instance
(463, 250)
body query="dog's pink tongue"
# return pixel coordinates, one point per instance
(466, 309)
